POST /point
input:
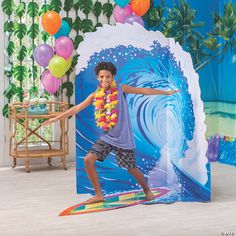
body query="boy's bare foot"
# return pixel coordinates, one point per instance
(149, 195)
(94, 199)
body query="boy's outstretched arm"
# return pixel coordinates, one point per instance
(72, 110)
(146, 91)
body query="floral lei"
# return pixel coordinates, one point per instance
(105, 102)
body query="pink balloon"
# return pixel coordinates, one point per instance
(64, 47)
(50, 83)
(121, 13)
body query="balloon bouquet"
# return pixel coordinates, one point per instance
(57, 59)
(130, 11)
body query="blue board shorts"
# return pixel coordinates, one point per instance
(124, 157)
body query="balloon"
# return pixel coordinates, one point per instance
(64, 47)
(51, 21)
(57, 66)
(50, 83)
(131, 19)
(140, 7)
(122, 3)
(121, 13)
(43, 54)
(63, 31)
(68, 63)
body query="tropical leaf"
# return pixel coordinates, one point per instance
(216, 17)
(33, 74)
(107, 9)
(20, 73)
(33, 31)
(86, 6)
(8, 26)
(19, 93)
(22, 53)
(45, 7)
(86, 25)
(20, 30)
(97, 9)
(45, 36)
(41, 120)
(30, 50)
(5, 111)
(76, 5)
(69, 88)
(56, 5)
(212, 43)
(152, 16)
(33, 9)
(76, 23)
(76, 1)
(20, 9)
(33, 90)
(68, 5)
(10, 48)
(10, 91)
(77, 40)
(7, 6)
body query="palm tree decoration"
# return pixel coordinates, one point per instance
(222, 39)
(179, 22)
(155, 15)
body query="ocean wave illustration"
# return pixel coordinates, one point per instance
(170, 142)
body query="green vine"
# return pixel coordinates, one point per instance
(10, 91)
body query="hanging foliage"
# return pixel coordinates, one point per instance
(19, 32)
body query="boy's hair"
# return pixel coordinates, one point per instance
(105, 66)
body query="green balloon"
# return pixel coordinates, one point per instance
(57, 66)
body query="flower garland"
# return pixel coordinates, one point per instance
(105, 102)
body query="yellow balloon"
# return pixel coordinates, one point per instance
(57, 66)
(68, 63)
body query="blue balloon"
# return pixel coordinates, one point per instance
(122, 3)
(64, 30)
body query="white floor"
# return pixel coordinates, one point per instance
(30, 204)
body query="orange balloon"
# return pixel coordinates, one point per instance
(140, 7)
(51, 21)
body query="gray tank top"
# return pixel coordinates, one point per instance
(121, 135)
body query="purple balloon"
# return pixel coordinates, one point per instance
(50, 83)
(64, 47)
(121, 13)
(43, 54)
(131, 19)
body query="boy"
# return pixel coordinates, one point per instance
(111, 114)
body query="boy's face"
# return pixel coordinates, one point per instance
(105, 78)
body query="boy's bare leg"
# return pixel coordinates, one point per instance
(138, 175)
(89, 162)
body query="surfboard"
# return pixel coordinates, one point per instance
(113, 201)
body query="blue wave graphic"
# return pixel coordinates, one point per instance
(157, 121)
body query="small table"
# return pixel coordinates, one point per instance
(18, 114)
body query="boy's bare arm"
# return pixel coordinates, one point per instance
(72, 110)
(146, 91)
